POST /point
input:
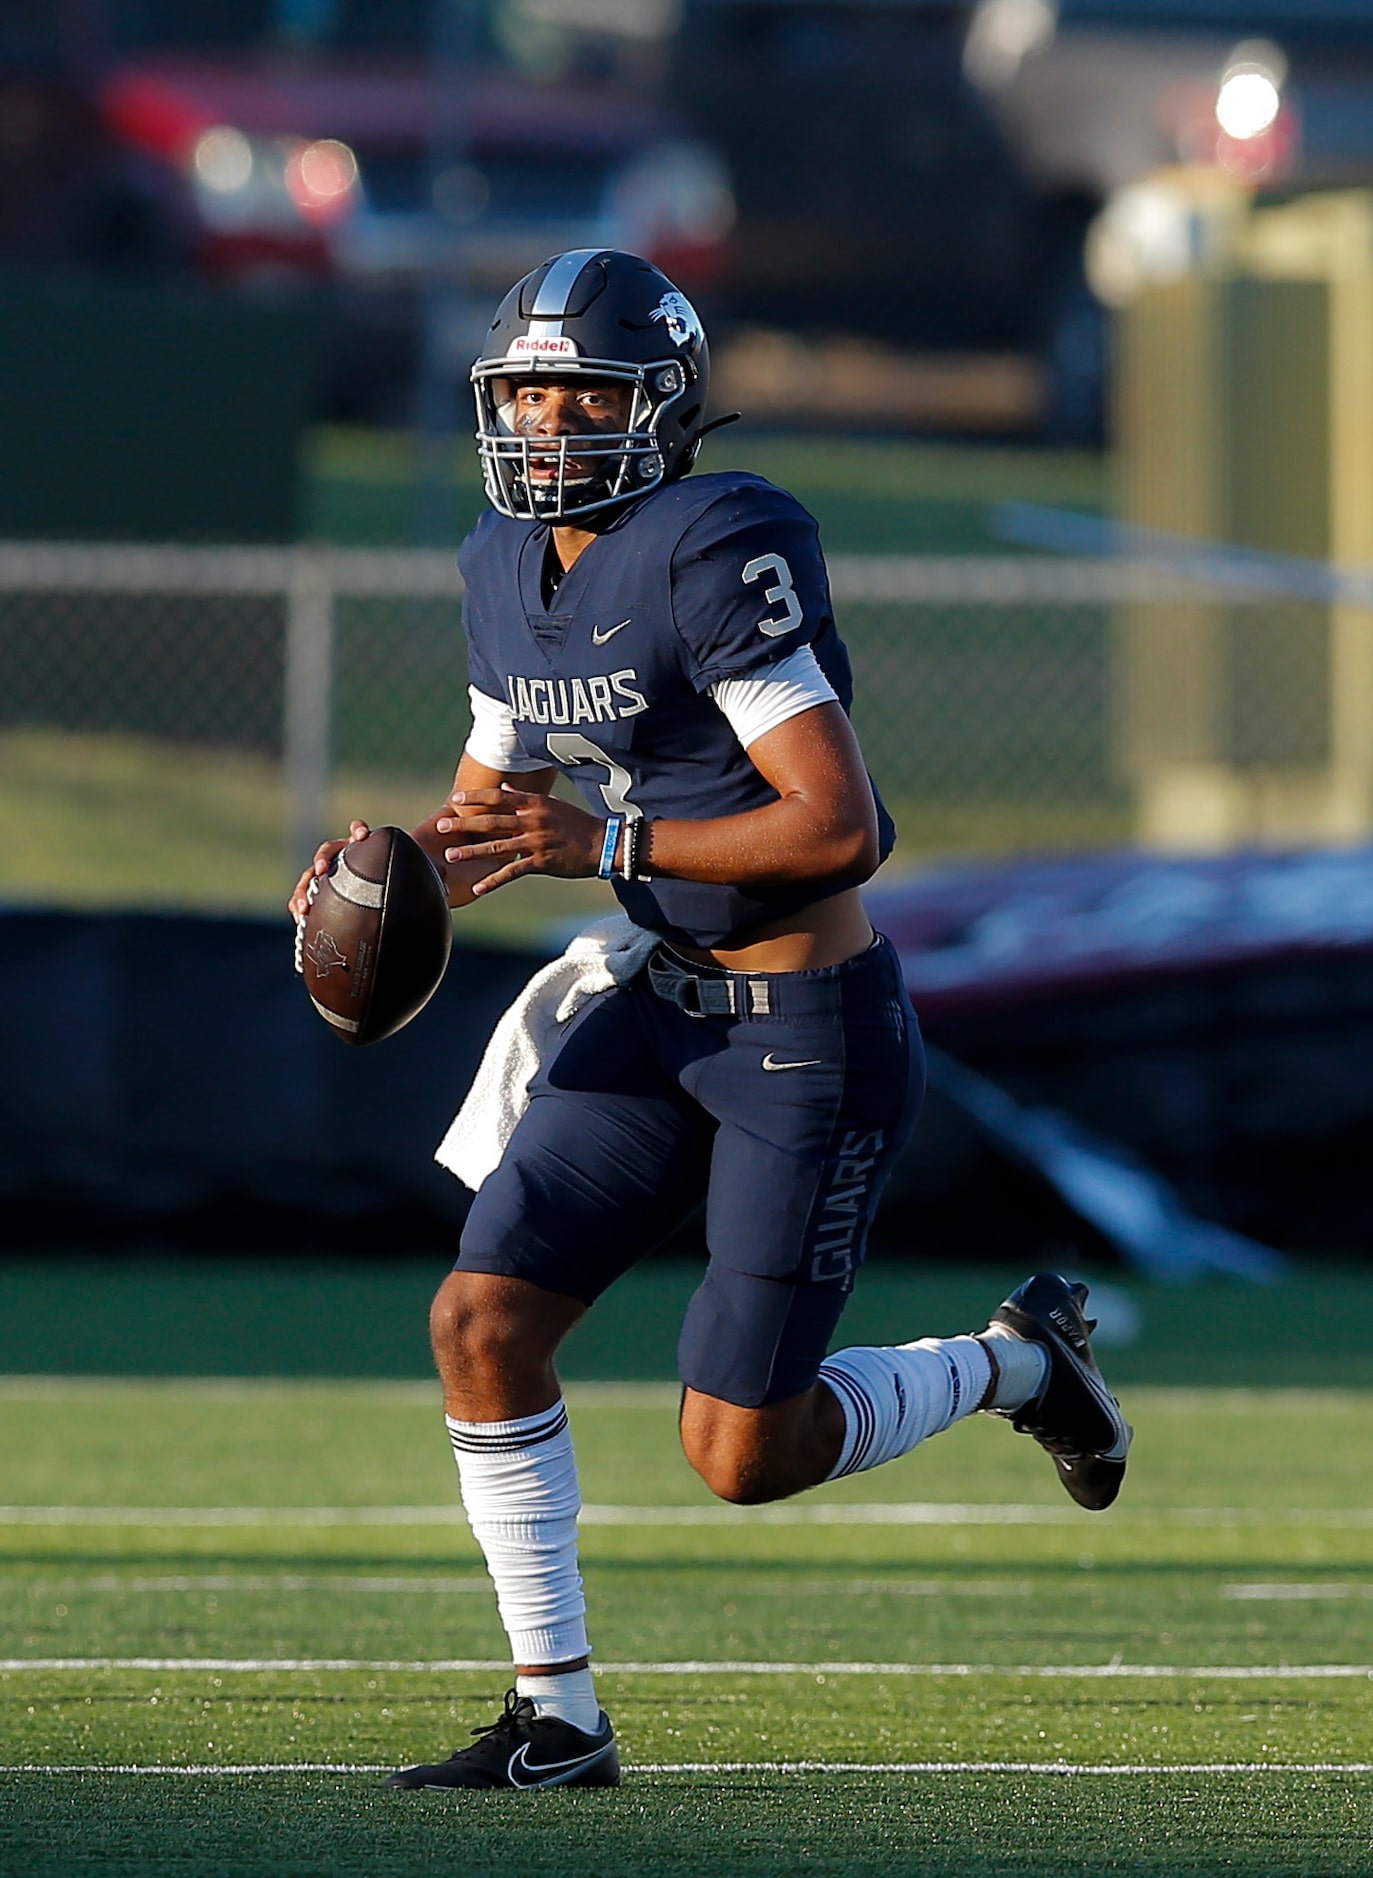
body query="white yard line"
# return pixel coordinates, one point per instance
(1001, 1767)
(827, 1514)
(442, 1587)
(805, 1513)
(835, 1513)
(249, 1516)
(1059, 1768)
(249, 1388)
(1296, 1594)
(287, 1581)
(1071, 1672)
(211, 1388)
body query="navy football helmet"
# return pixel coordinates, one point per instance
(605, 317)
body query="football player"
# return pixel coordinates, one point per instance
(667, 642)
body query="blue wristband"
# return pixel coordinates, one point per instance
(608, 847)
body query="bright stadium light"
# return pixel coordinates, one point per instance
(1250, 94)
(1002, 34)
(223, 160)
(321, 178)
(1143, 237)
(1247, 104)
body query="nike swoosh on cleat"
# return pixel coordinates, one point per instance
(811, 1062)
(598, 638)
(519, 1766)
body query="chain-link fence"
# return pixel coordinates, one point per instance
(182, 724)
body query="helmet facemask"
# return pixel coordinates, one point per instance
(622, 464)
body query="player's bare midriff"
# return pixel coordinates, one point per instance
(824, 933)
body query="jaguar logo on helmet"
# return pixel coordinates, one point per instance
(679, 316)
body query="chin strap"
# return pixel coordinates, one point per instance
(717, 423)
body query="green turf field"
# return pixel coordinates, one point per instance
(204, 830)
(233, 1604)
(350, 1319)
(871, 495)
(201, 827)
(192, 824)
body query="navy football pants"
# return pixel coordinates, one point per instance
(786, 1120)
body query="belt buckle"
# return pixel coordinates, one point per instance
(690, 988)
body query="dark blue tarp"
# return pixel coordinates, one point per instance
(165, 1078)
(169, 1069)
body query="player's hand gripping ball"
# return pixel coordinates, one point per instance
(374, 945)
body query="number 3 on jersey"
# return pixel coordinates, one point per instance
(784, 593)
(571, 747)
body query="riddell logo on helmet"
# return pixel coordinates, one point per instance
(527, 346)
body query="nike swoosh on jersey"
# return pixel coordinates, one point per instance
(521, 1774)
(811, 1062)
(598, 638)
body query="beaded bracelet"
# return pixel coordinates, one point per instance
(629, 866)
(608, 847)
(635, 831)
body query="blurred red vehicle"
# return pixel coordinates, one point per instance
(323, 169)
(322, 172)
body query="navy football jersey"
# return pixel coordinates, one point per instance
(713, 577)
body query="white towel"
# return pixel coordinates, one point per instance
(607, 953)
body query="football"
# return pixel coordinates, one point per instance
(375, 943)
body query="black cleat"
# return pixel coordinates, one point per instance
(522, 1749)
(1075, 1418)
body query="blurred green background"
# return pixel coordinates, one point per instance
(308, 1318)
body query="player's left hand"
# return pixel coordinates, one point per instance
(542, 835)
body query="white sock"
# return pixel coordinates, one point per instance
(570, 1695)
(519, 1486)
(1023, 1367)
(896, 1395)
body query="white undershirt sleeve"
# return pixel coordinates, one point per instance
(759, 704)
(494, 740)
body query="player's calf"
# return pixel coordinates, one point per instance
(750, 1456)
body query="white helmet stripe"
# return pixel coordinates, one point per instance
(555, 290)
